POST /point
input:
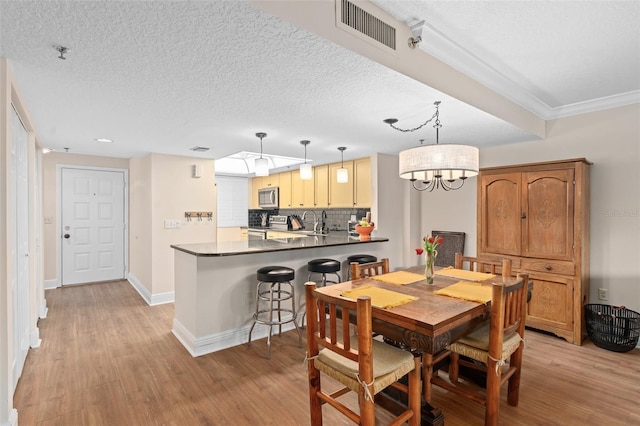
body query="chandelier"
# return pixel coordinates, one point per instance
(445, 166)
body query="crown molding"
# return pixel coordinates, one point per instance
(592, 105)
(438, 45)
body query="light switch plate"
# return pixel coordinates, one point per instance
(172, 224)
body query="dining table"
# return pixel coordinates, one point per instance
(427, 322)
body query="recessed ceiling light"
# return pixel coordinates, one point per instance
(199, 149)
(104, 140)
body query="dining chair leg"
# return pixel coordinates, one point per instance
(493, 394)
(414, 400)
(513, 388)
(454, 367)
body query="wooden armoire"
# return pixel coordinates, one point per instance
(538, 215)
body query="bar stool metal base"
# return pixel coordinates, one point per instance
(274, 293)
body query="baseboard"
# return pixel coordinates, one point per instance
(51, 284)
(12, 420)
(162, 298)
(217, 342)
(34, 338)
(43, 310)
(151, 299)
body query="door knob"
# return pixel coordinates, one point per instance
(67, 235)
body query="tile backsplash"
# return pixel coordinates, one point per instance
(336, 218)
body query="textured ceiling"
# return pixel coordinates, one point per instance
(166, 76)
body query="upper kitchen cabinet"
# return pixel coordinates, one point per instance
(271, 180)
(362, 182)
(321, 186)
(302, 191)
(285, 189)
(340, 194)
(538, 215)
(256, 183)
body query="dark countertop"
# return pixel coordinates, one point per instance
(234, 248)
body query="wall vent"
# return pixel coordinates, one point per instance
(364, 22)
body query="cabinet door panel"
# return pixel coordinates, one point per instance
(285, 190)
(321, 186)
(548, 204)
(362, 183)
(500, 213)
(551, 304)
(340, 194)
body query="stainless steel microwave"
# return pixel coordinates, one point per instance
(268, 198)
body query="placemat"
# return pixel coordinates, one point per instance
(473, 292)
(463, 274)
(399, 277)
(379, 296)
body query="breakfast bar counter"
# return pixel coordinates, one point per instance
(215, 283)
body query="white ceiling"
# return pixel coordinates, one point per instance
(160, 76)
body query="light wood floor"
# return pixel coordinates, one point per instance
(109, 359)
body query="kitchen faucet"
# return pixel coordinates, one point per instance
(315, 219)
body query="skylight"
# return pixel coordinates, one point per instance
(241, 163)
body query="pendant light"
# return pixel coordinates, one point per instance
(261, 165)
(342, 175)
(445, 166)
(305, 169)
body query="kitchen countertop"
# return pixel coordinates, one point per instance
(234, 248)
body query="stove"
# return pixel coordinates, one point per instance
(279, 222)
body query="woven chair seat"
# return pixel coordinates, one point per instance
(389, 365)
(476, 345)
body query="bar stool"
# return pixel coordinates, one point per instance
(274, 287)
(324, 267)
(359, 258)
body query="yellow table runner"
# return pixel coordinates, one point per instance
(379, 296)
(464, 274)
(473, 292)
(399, 277)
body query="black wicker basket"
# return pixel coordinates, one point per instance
(615, 328)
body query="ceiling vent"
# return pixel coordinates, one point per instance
(351, 17)
(199, 149)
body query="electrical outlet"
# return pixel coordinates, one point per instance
(603, 294)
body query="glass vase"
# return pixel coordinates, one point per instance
(429, 267)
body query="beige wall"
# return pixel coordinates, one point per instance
(50, 163)
(140, 225)
(161, 188)
(611, 140)
(174, 191)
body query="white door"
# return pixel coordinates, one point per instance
(20, 247)
(93, 225)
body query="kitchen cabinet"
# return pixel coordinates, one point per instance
(362, 182)
(271, 234)
(302, 191)
(271, 180)
(340, 194)
(538, 215)
(256, 183)
(321, 186)
(285, 190)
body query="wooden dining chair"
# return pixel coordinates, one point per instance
(491, 266)
(453, 242)
(363, 270)
(495, 349)
(361, 364)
